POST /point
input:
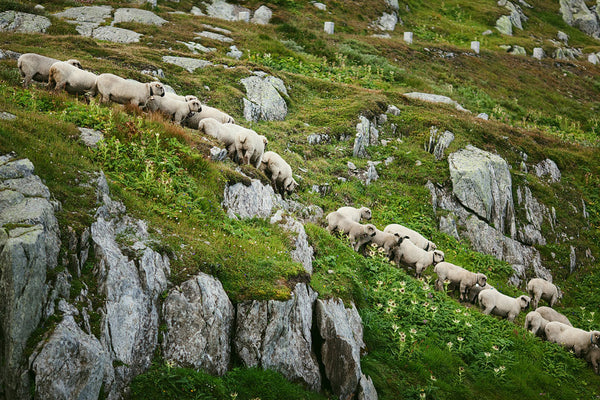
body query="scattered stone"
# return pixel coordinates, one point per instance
(39, 7)
(217, 29)
(213, 36)
(7, 116)
(263, 101)
(389, 160)
(504, 25)
(329, 27)
(391, 109)
(594, 58)
(438, 143)
(483, 116)
(9, 55)
(418, 163)
(319, 6)
(563, 37)
(518, 51)
(572, 260)
(158, 73)
(91, 14)
(20, 22)
(256, 200)
(387, 22)
(116, 35)
(303, 252)
(408, 37)
(366, 389)
(234, 52)
(538, 53)
(218, 154)
(366, 135)
(435, 98)
(475, 45)
(196, 11)
(487, 33)
(90, 137)
(530, 232)
(222, 10)
(323, 190)
(567, 53)
(318, 138)
(196, 47)
(139, 16)
(244, 16)
(262, 16)
(190, 64)
(548, 168)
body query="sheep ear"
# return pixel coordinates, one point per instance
(397, 234)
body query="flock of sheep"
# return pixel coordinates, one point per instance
(405, 246)
(243, 145)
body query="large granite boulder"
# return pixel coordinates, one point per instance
(29, 247)
(223, 10)
(256, 200)
(199, 318)
(481, 181)
(70, 365)
(86, 18)
(116, 35)
(264, 101)
(14, 21)
(139, 16)
(277, 335)
(262, 15)
(577, 14)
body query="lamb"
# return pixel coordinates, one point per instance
(475, 290)
(410, 254)
(459, 276)
(593, 357)
(175, 109)
(387, 241)
(280, 172)
(355, 214)
(208, 112)
(535, 323)
(64, 75)
(541, 288)
(37, 67)
(250, 147)
(578, 340)
(500, 304)
(226, 133)
(414, 237)
(359, 234)
(551, 314)
(127, 91)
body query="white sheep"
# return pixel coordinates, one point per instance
(414, 237)
(127, 91)
(208, 112)
(226, 133)
(500, 304)
(578, 340)
(593, 357)
(541, 288)
(355, 214)
(63, 75)
(535, 323)
(175, 96)
(473, 294)
(459, 276)
(359, 234)
(279, 171)
(550, 314)
(37, 67)
(250, 147)
(175, 109)
(387, 241)
(411, 255)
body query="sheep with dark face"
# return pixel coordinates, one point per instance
(500, 304)
(173, 108)
(414, 236)
(37, 67)
(459, 277)
(578, 340)
(359, 234)
(411, 255)
(539, 288)
(355, 214)
(127, 91)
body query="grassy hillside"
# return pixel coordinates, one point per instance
(420, 342)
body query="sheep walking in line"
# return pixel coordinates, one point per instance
(250, 147)
(539, 288)
(593, 358)
(175, 109)
(411, 255)
(387, 241)
(225, 133)
(458, 276)
(355, 214)
(578, 340)
(551, 314)
(535, 323)
(280, 172)
(37, 67)
(473, 293)
(127, 91)
(500, 304)
(175, 96)
(63, 75)
(359, 234)
(414, 237)
(208, 112)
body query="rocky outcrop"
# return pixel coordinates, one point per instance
(439, 142)
(262, 15)
(223, 10)
(367, 135)
(116, 35)
(530, 232)
(70, 365)
(303, 251)
(264, 101)
(131, 286)
(547, 169)
(577, 14)
(256, 200)
(342, 334)
(138, 16)
(481, 181)
(277, 335)
(190, 64)
(29, 246)
(20, 22)
(199, 319)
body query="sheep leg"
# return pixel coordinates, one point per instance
(488, 310)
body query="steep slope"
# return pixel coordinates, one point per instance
(516, 218)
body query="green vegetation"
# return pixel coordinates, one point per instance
(419, 342)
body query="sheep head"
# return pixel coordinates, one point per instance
(524, 301)
(595, 337)
(481, 280)
(438, 256)
(75, 63)
(365, 213)
(194, 105)
(431, 246)
(370, 229)
(190, 97)
(291, 186)
(156, 89)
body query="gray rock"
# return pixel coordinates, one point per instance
(303, 252)
(90, 137)
(276, 335)
(530, 232)
(487, 32)
(434, 98)
(20, 22)
(190, 64)
(263, 100)
(217, 29)
(8, 55)
(234, 52)
(448, 226)
(318, 138)
(139, 16)
(572, 260)
(196, 11)
(197, 47)
(567, 53)
(517, 50)
(391, 109)
(538, 53)
(387, 22)
(438, 143)
(504, 25)
(372, 175)
(393, 4)
(70, 365)
(320, 6)
(366, 389)
(262, 16)
(7, 116)
(218, 154)
(482, 183)
(199, 318)
(116, 35)
(547, 168)
(577, 14)
(93, 14)
(213, 36)
(593, 58)
(408, 37)
(475, 46)
(563, 37)
(517, 17)
(244, 16)
(483, 116)
(256, 200)
(329, 27)
(342, 334)
(222, 10)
